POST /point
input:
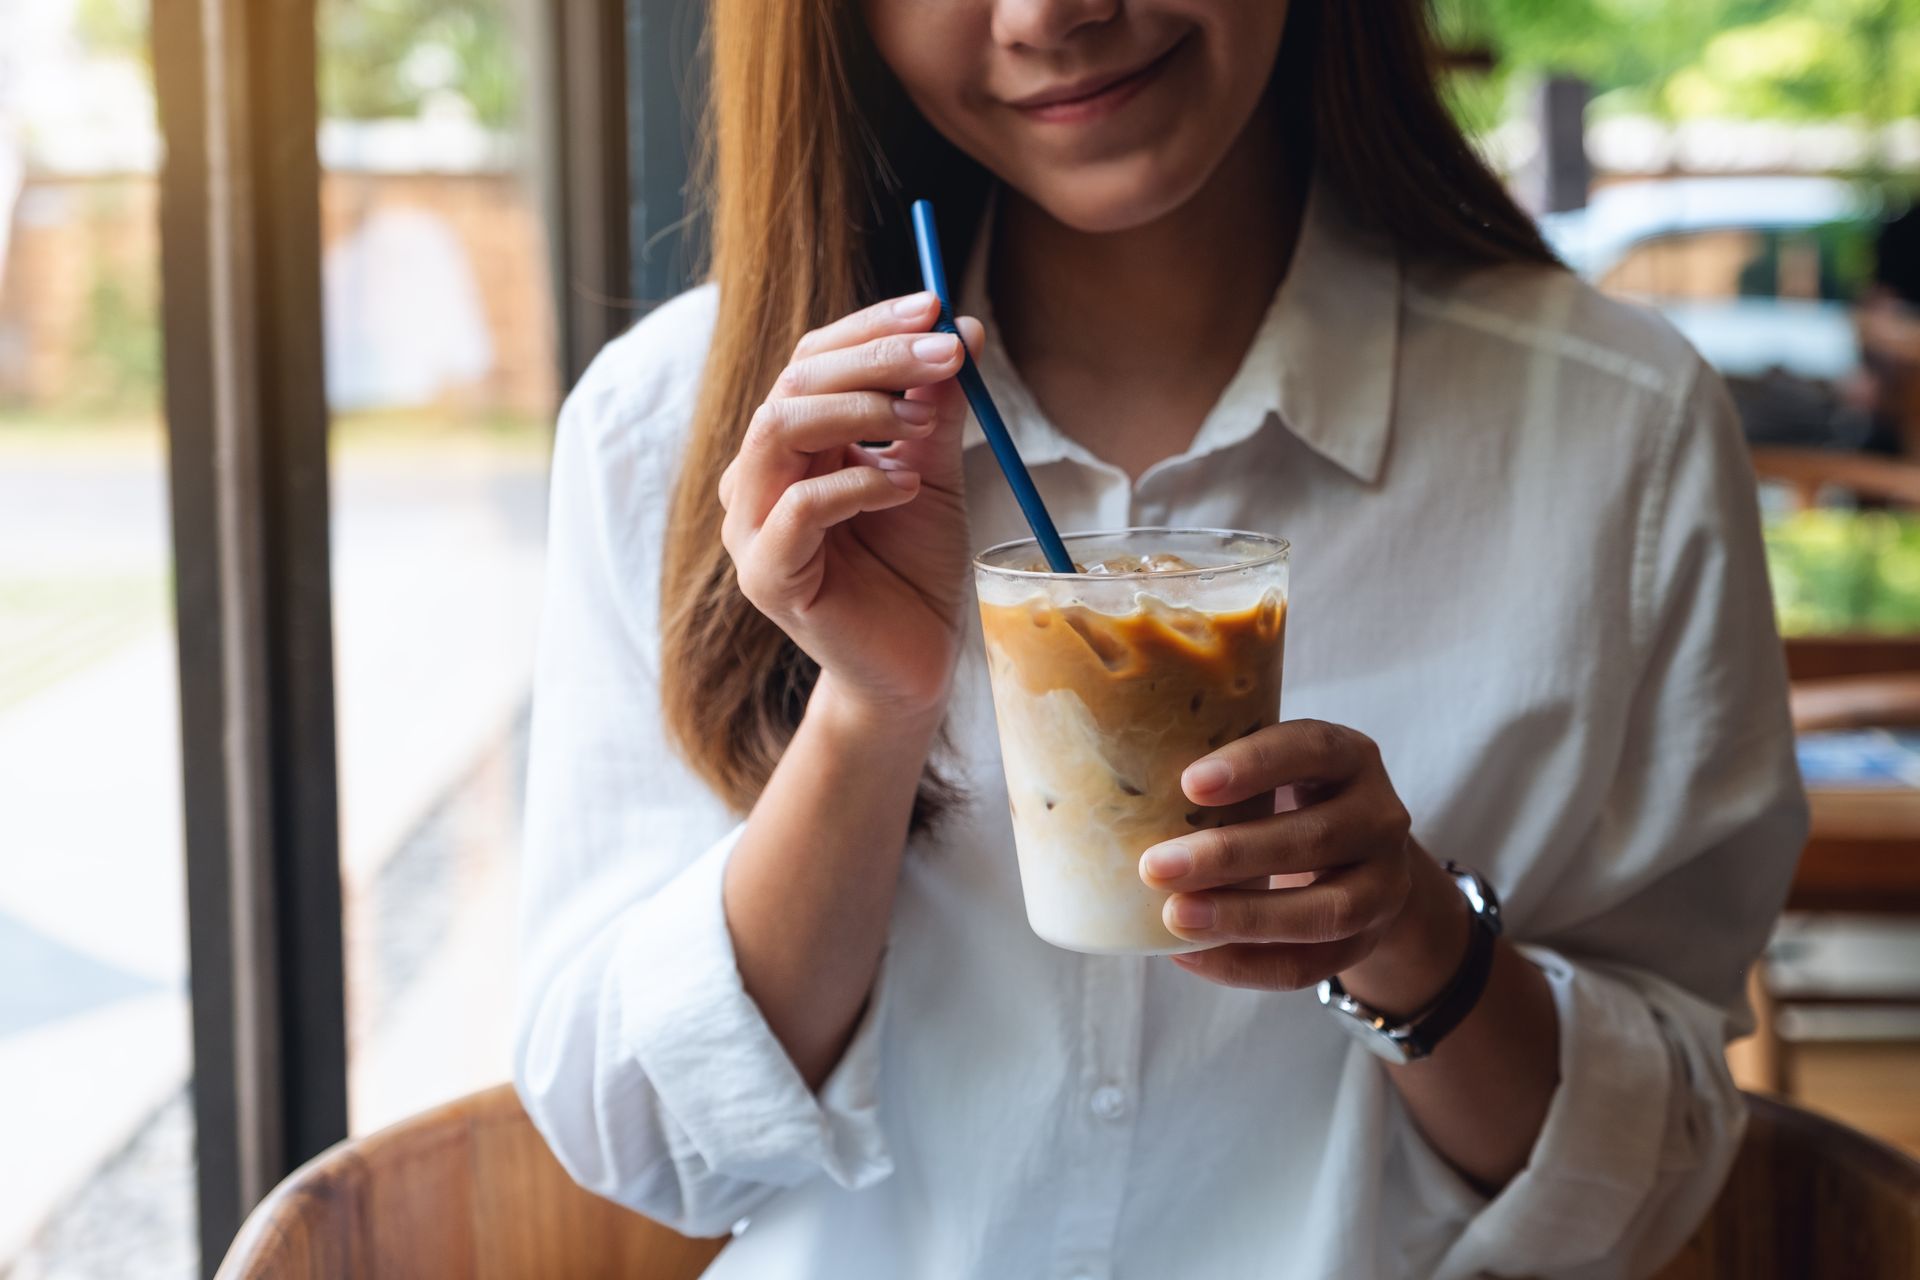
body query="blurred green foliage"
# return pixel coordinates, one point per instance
(1770, 59)
(390, 58)
(379, 59)
(117, 362)
(116, 28)
(1756, 59)
(1840, 570)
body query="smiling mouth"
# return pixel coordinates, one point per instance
(1077, 105)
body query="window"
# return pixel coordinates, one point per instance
(95, 1052)
(442, 379)
(358, 648)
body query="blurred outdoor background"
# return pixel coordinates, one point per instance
(443, 380)
(1744, 165)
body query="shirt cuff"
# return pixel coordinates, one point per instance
(736, 1099)
(1599, 1153)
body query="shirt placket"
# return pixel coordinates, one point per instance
(1104, 1101)
(1147, 508)
(1101, 1115)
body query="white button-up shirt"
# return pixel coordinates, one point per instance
(1526, 561)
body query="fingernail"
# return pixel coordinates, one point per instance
(935, 348)
(1191, 911)
(1207, 775)
(912, 305)
(1167, 861)
(903, 479)
(913, 412)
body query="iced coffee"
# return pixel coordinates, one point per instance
(1107, 683)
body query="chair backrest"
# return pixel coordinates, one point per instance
(1808, 471)
(471, 1191)
(1808, 1197)
(468, 1191)
(1887, 700)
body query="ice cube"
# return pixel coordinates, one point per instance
(1114, 565)
(1159, 562)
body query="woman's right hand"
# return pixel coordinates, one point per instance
(860, 555)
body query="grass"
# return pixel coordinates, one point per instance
(24, 433)
(413, 430)
(51, 628)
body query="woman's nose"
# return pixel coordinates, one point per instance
(1044, 24)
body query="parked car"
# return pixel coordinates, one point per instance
(1759, 273)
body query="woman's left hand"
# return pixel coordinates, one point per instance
(1378, 911)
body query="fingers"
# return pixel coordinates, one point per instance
(787, 431)
(1352, 836)
(812, 424)
(773, 564)
(801, 424)
(895, 363)
(1351, 827)
(839, 391)
(1297, 751)
(1333, 907)
(913, 313)
(1275, 968)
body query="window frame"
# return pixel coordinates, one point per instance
(247, 426)
(247, 455)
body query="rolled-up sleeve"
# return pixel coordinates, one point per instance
(1634, 1145)
(640, 1056)
(1646, 931)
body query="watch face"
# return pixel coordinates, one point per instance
(1361, 1023)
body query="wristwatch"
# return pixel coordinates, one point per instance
(1416, 1037)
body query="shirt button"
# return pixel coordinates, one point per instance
(1109, 1102)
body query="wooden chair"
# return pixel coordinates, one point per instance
(1808, 1198)
(467, 1191)
(1807, 472)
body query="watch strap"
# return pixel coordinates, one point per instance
(1451, 1007)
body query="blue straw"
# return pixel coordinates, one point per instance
(934, 274)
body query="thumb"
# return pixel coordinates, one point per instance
(973, 333)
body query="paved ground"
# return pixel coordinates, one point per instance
(432, 980)
(437, 579)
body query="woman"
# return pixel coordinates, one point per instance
(1236, 268)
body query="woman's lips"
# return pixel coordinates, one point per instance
(1077, 106)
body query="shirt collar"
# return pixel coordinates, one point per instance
(1322, 363)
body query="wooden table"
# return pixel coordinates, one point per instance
(1862, 857)
(1863, 853)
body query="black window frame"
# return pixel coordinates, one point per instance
(247, 426)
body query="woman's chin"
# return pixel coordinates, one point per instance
(1124, 199)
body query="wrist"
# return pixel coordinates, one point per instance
(1421, 950)
(864, 724)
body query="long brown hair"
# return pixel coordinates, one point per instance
(813, 154)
